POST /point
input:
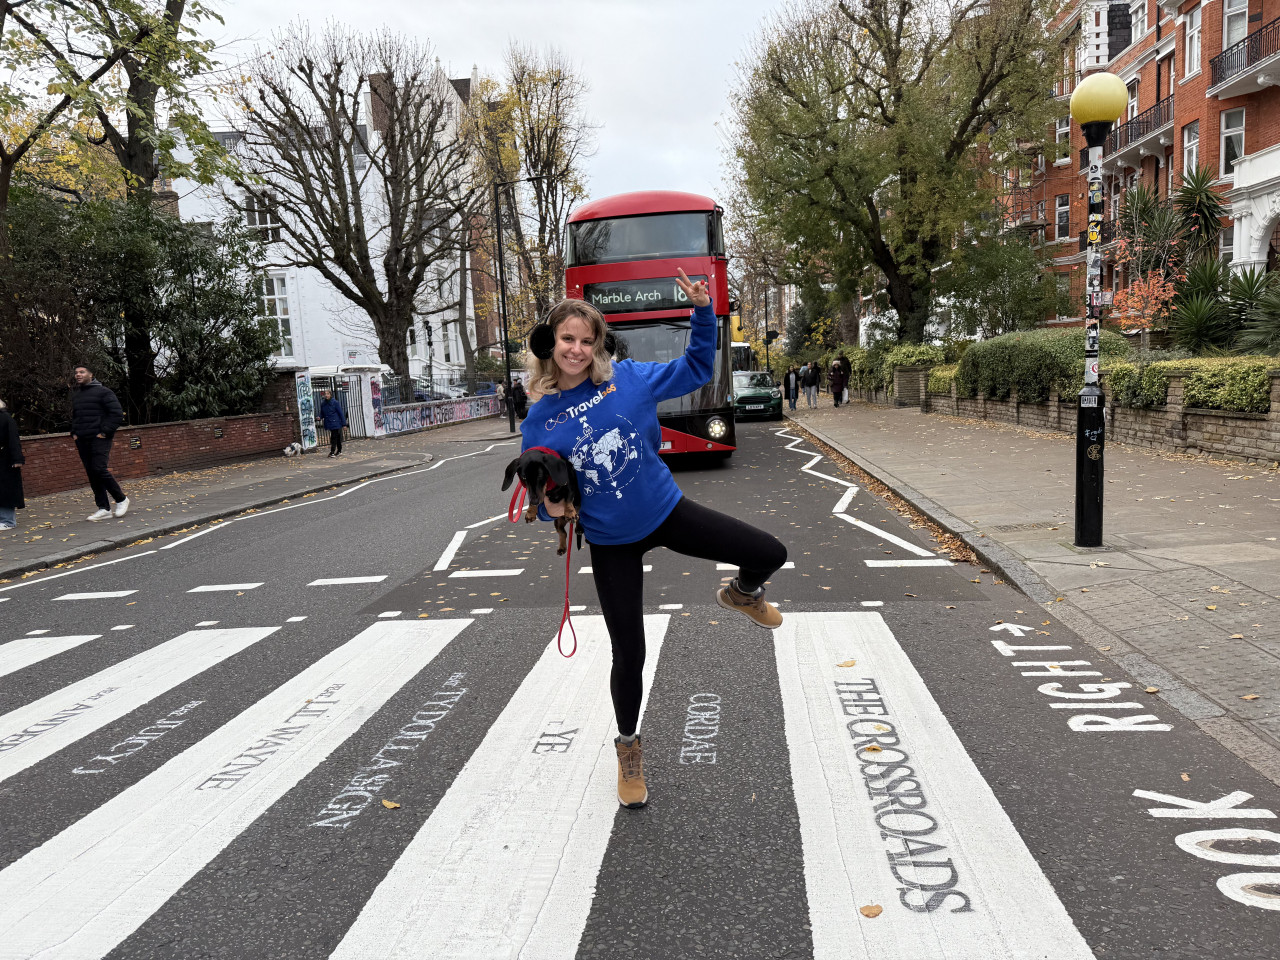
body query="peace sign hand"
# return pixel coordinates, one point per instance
(696, 292)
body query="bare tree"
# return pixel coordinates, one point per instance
(530, 136)
(356, 167)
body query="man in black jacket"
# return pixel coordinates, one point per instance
(95, 417)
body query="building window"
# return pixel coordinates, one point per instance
(1235, 22)
(273, 303)
(1191, 58)
(1040, 212)
(1133, 101)
(1227, 243)
(1062, 137)
(1138, 18)
(1168, 170)
(413, 342)
(1062, 215)
(1190, 147)
(1232, 147)
(260, 213)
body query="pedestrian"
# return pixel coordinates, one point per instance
(602, 417)
(500, 392)
(836, 381)
(95, 418)
(11, 461)
(519, 398)
(334, 419)
(809, 380)
(791, 386)
(847, 366)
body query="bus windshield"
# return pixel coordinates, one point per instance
(654, 237)
(662, 343)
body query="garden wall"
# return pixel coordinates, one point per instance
(53, 463)
(1249, 436)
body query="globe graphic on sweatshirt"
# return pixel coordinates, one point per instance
(605, 458)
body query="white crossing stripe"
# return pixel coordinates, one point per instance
(508, 859)
(789, 565)
(487, 573)
(865, 830)
(873, 603)
(446, 558)
(647, 568)
(129, 626)
(18, 654)
(295, 619)
(36, 633)
(339, 581)
(87, 889)
(102, 595)
(389, 614)
(671, 606)
(41, 729)
(935, 562)
(482, 610)
(202, 623)
(224, 587)
(907, 545)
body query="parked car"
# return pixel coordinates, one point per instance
(485, 388)
(756, 395)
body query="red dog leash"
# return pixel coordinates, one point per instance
(513, 514)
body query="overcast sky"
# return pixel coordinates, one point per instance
(659, 71)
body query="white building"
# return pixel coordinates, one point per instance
(319, 327)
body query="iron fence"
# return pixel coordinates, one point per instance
(1256, 47)
(1143, 125)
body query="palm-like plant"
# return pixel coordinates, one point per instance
(1200, 209)
(1200, 325)
(1261, 331)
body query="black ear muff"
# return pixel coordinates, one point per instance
(610, 343)
(542, 341)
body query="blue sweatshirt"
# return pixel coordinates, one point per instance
(609, 432)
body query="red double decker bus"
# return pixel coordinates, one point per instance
(621, 257)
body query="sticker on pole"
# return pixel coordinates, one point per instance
(1088, 401)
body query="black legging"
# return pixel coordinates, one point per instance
(618, 569)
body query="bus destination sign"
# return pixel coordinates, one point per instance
(630, 296)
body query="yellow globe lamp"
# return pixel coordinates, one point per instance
(1097, 103)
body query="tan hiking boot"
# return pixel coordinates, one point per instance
(632, 792)
(756, 608)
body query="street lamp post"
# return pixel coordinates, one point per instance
(767, 365)
(1096, 104)
(502, 290)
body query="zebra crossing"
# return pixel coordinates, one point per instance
(899, 829)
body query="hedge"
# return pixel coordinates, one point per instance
(1033, 362)
(910, 355)
(1237, 384)
(940, 378)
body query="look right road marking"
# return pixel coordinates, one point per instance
(507, 861)
(893, 812)
(41, 729)
(82, 893)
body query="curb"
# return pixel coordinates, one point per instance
(191, 520)
(992, 553)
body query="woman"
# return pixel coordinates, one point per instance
(836, 381)
(602, 417)
(334, 419)
(11, 461)
(791, 386)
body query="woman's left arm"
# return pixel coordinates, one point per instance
(691, 370)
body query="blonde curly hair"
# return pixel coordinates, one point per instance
(544, 374)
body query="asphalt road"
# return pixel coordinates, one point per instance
(206, 753)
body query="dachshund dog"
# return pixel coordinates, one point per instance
(547, 476)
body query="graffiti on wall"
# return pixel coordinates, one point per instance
(306, 410)
(375, 388)
(419, 416)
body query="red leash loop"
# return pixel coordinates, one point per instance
(513, 514)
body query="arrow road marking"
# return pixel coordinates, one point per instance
(1017, 629)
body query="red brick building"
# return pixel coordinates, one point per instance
(1201, 78)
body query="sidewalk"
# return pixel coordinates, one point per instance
(1184, 594)
(53, 529)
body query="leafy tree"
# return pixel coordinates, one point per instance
(376, 203)
(865, 129)
(84, 268)
(1001, 284)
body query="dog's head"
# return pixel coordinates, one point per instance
(545, 475)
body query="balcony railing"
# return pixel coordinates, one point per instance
(1141, 126)
(1257, 46)
(1106, 235)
